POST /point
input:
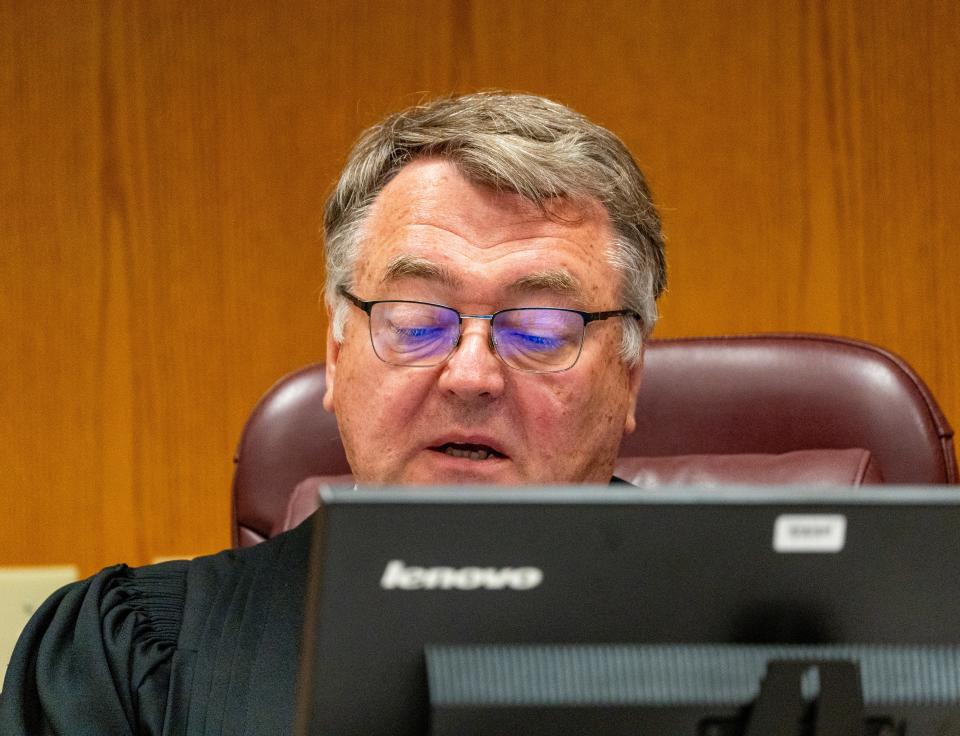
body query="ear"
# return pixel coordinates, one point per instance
(634, 377)
(333, 354)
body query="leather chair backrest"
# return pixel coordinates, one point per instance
(779, 393)
(758, 395)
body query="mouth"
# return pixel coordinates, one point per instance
(468, 451)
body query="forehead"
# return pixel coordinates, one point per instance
(430, 213)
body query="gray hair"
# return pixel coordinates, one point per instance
(512, 142)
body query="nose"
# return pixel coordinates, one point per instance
(473, 371)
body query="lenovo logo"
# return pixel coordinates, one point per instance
(398, 576)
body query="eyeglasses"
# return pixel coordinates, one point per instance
(531, 339)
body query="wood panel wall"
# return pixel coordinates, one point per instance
(164, 167)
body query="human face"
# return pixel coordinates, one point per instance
(434, 236)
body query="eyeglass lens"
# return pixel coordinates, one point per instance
(538, 339)
(529, 339)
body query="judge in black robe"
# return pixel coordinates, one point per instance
(211, 646)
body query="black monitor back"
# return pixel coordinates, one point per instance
(619, 573)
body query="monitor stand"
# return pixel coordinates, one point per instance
(781, 707)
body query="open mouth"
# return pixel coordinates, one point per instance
(468, 451)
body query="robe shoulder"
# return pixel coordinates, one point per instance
(125, 651)
(94, 652)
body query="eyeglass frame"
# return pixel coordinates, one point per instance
(588, 317)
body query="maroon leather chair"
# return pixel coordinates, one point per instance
(710, 410)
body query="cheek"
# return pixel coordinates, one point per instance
(561, 417)
(586, 412)
(381, 399)
(347, 404)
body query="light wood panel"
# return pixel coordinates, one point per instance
(165, 166)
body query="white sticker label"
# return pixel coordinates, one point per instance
(809, 533)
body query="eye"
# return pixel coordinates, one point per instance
(540, 340)
(533, 341)
(420, 338)
(419, 333)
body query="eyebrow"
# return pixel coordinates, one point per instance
(558, 282)
(420, 268)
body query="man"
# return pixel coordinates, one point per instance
(492, 268)
(485, 203)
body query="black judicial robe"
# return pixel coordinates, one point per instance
(188, 648)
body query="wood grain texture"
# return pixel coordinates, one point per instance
(165, 166)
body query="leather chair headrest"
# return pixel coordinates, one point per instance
(852, 467)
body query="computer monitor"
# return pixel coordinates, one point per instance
(612, 610)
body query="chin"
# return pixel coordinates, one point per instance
(460, 480)
(462, 476)
(430, 468)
